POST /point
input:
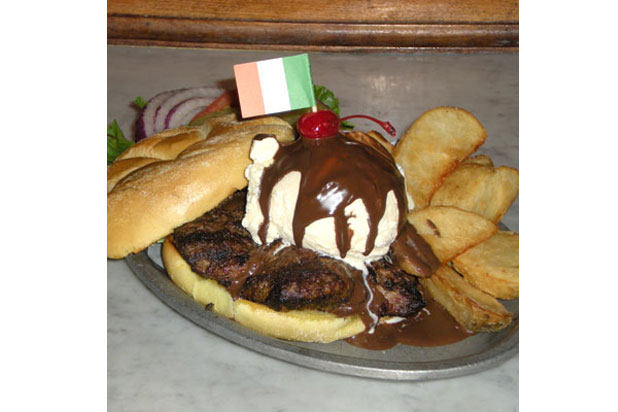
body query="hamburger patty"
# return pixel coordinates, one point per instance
(400, 290)
(218, 247)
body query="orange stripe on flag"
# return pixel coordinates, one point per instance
(249, 90)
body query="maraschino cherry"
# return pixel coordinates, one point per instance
(325, 123)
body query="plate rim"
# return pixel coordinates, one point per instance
(145, 269)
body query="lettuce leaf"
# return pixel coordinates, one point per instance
(116, 142)
(140, 102)
(329, 99)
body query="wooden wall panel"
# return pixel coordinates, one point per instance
(468, 25)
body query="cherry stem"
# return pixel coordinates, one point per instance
(385, 125)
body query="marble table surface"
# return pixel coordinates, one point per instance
(159, 361)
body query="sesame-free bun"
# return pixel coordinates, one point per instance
(166, 145)
(195, 169)
(296, 325)
(121, 168)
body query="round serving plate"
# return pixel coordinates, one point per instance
(476, 353)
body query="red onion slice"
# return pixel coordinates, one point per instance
(146, 122)
(178, 97)
(176, 116)
(140, 132)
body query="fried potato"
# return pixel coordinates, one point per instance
(493, 265)
(478, 188)
(433, 147)
(480, 160)
(382, 140)
(472, 308)
(373, 139)
(450, 231)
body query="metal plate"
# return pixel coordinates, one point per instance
(479, 352)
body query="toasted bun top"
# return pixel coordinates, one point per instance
(165, 145)
(151, 198)
(121, 168)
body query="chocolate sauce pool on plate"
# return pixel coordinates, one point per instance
(432, 326)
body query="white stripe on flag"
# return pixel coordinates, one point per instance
(274, 86)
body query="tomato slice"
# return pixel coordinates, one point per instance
(228, 98)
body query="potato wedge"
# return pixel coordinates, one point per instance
(382, 140)
(450, 231)
(480, 160)
(433, 147)
(412, 254)
(480, 189)
(493, 265)
(472, 308)
(373, 139)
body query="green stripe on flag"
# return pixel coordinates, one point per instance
(298, 79)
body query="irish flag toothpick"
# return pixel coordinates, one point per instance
(273, 86)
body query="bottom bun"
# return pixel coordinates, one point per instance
(296, 325)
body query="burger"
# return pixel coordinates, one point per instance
(311, 249)
(306, 235)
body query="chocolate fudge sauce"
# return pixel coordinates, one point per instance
(413, 254)
(365, 301)
(433, 326)
(335, 171)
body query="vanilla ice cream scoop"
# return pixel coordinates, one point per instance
(335, 195)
